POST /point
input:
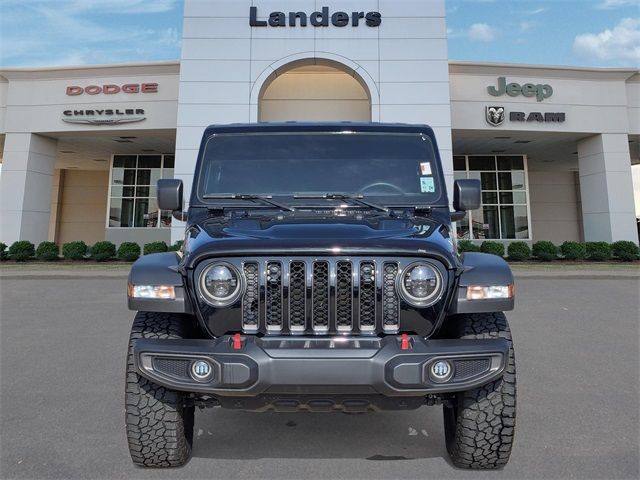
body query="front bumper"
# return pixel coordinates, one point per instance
(252, 366)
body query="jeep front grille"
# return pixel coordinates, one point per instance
(274, 294)
(367, 296)
(297, 296)
(344, 296)
(320, 296)
(250, 304)
(390, 303)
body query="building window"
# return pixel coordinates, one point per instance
(504, 211)
(132, 191)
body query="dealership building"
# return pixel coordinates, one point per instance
(82, 147)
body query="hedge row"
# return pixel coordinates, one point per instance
(517, 251)
(547, 251)
(23, 250)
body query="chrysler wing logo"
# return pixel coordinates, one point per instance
(495, 115)
(107, 116)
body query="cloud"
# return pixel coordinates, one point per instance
(119, 7)
(611, 4)
(536, 11)
(481, 32)
(525, 26)
(124, 6)
(79, 32)
(620, 44)
(168, 37)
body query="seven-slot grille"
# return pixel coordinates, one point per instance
(320, 296)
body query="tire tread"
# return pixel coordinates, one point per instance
(485, 417)
(159, 427)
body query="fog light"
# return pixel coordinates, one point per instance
(200, 370)
(441, 371)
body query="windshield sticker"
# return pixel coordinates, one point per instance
(425, 168)
(427, 185)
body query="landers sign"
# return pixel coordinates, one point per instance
(317, 19)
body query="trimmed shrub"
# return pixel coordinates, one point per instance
(518, 251)
(155, 247)
(625, 250)
(74, 250)
(545, 251)
(3, 251)
(103, 251)
(176, 246)
(467, 246)
(48, 252)
(495, 248)
(22, 250)
(129, 251)
(598, 251)
(573, 250)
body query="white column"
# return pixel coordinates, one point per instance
(25, 187)
(606, 188)
(56, 205)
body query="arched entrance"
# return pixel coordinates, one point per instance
(314, 90)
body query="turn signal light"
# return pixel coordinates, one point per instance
(491, 292)
(162, 292)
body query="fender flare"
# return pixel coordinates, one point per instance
(159, 269)
(482, 269)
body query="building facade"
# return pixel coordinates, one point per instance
(82, 148)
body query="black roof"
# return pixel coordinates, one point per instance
(318, 127)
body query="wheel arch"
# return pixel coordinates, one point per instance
(159, 269)
(482, 269)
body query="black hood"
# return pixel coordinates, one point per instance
(318, 233)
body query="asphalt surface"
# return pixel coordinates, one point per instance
(63, 345)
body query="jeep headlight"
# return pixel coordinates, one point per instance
(421, 284)
(220, 284)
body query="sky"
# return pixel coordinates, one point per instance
(37, 33)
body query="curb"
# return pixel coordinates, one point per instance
(579, 274)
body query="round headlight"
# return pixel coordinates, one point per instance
(421, 284)
(220, 284)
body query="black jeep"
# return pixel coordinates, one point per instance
(319, 272)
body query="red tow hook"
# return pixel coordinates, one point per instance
(404, 342)
(237, 342)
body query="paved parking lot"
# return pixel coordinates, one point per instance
(63, 345)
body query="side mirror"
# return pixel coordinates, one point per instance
(466, 195)
(170, 194)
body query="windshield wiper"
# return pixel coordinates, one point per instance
(356, 198)
(256, 198)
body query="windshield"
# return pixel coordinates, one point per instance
(389, 168)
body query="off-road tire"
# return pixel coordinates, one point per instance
(479, 427)
(159, 427)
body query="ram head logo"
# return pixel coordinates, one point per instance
(495, 115)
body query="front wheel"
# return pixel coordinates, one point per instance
(159, 426)
(479, 425)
